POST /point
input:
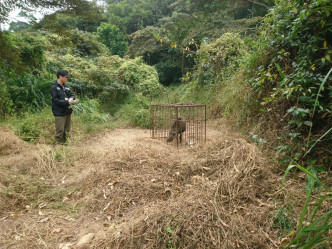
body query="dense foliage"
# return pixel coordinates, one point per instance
(131, 16)
(113, 38)
(191, 23)
(287, 75)
(216, 62)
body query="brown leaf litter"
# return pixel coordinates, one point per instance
(134, 192)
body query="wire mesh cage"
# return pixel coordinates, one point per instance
(183, 124)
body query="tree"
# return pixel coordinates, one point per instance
(21, 25)
(133, 15)
(6, 6)
(113, 38)
(165, 60)
(63, 22)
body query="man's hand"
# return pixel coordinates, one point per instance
(73, 101)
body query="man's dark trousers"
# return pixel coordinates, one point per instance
(62, 127)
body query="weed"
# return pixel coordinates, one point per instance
(283, 220)
(58, 157)
(313, 225)
(33, 127)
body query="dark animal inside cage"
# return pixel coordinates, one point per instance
(184, 123)
(178, 127)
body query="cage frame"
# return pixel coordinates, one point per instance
(176, 107)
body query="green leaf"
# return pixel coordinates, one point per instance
(169, 230)
(317, 228)
(313, 176)
(286, 173)
(308, 123)
(316, 101)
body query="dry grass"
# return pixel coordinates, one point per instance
(9, 143)
(218, 199)
(134, 192)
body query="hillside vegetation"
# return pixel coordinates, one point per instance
(262, 67)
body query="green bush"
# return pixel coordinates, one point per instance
(220, 58)
(21, 52)
(141, 78)
(6, 103)
(88, 117)
(169, 71)
(31, 51)
(86, 44)
(217, 80)
(94, 77)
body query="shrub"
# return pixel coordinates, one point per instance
(141, 78)
(221, 56)
(6, 104)
(34, 127)
(168, 71)
(31, 51)
(38, 127)
(89, 118)
(289, 78)
(86, 44)
(21, 52)
(217, 80)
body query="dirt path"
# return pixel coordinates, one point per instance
(121, 187)
(120, 138)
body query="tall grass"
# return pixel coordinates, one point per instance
(28, 91)
(38, 126)
(89, 118)
(135, 112)
(313, 226)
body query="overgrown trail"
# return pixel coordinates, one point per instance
(125, 190)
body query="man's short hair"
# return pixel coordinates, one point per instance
(62, 73)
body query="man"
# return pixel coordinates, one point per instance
(62, 99)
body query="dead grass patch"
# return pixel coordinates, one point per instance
(10, 143)
(143, 193)
(212, 196)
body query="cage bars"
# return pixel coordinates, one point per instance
(163, 116)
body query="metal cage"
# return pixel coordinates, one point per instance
(167, 122)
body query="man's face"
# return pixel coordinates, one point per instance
(62, 79)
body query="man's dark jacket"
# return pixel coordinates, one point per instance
(60, 95)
